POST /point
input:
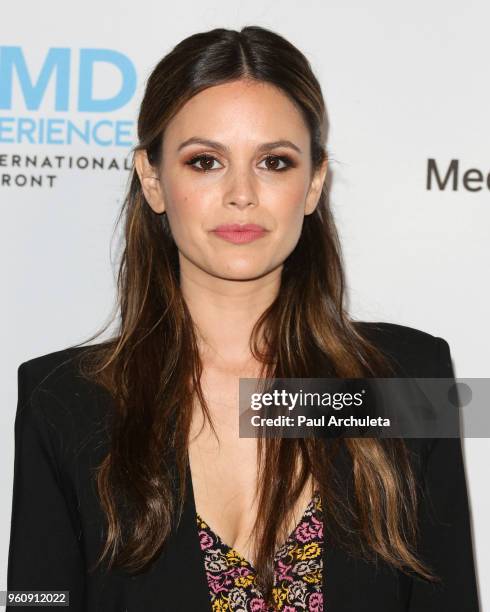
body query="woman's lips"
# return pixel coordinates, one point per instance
(240, 233)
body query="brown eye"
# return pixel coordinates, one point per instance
(273, 162)
(205, 162)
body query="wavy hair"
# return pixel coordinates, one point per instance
(152, 368)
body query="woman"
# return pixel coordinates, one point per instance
(133, 490)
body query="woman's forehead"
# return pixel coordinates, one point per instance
(239, 111)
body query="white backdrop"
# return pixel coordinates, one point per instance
(404, 83)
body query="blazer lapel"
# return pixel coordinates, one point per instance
(177, 580)
(351, 584)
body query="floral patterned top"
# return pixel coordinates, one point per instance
(298, 569)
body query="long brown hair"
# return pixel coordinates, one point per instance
(152, 366)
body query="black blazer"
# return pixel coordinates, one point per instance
(57, 522)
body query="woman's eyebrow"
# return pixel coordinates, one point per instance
(221, 147)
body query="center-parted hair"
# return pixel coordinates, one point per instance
(151, 365)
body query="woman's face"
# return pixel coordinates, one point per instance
(236, 153)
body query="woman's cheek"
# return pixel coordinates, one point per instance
(182, 212)
(291, 212)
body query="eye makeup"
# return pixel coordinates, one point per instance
(206, 157)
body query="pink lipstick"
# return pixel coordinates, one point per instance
(240, 234)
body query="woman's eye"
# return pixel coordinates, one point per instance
(206, 160)
(205, 163)
(274, 162)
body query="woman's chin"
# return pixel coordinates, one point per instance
(243, 272)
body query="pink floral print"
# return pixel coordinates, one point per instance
(298, 569)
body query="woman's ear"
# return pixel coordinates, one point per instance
(150, 181)
(316, 187)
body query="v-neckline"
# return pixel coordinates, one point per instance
(310, 505)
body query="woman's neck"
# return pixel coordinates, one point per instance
(225, 311)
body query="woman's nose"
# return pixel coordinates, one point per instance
(241, 190)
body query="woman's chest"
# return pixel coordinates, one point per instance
(225, 476)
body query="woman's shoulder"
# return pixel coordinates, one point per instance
(418, 353)
(57, 370)
(396, 332)
(415, 353)
(51, 389)
(52, 366)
